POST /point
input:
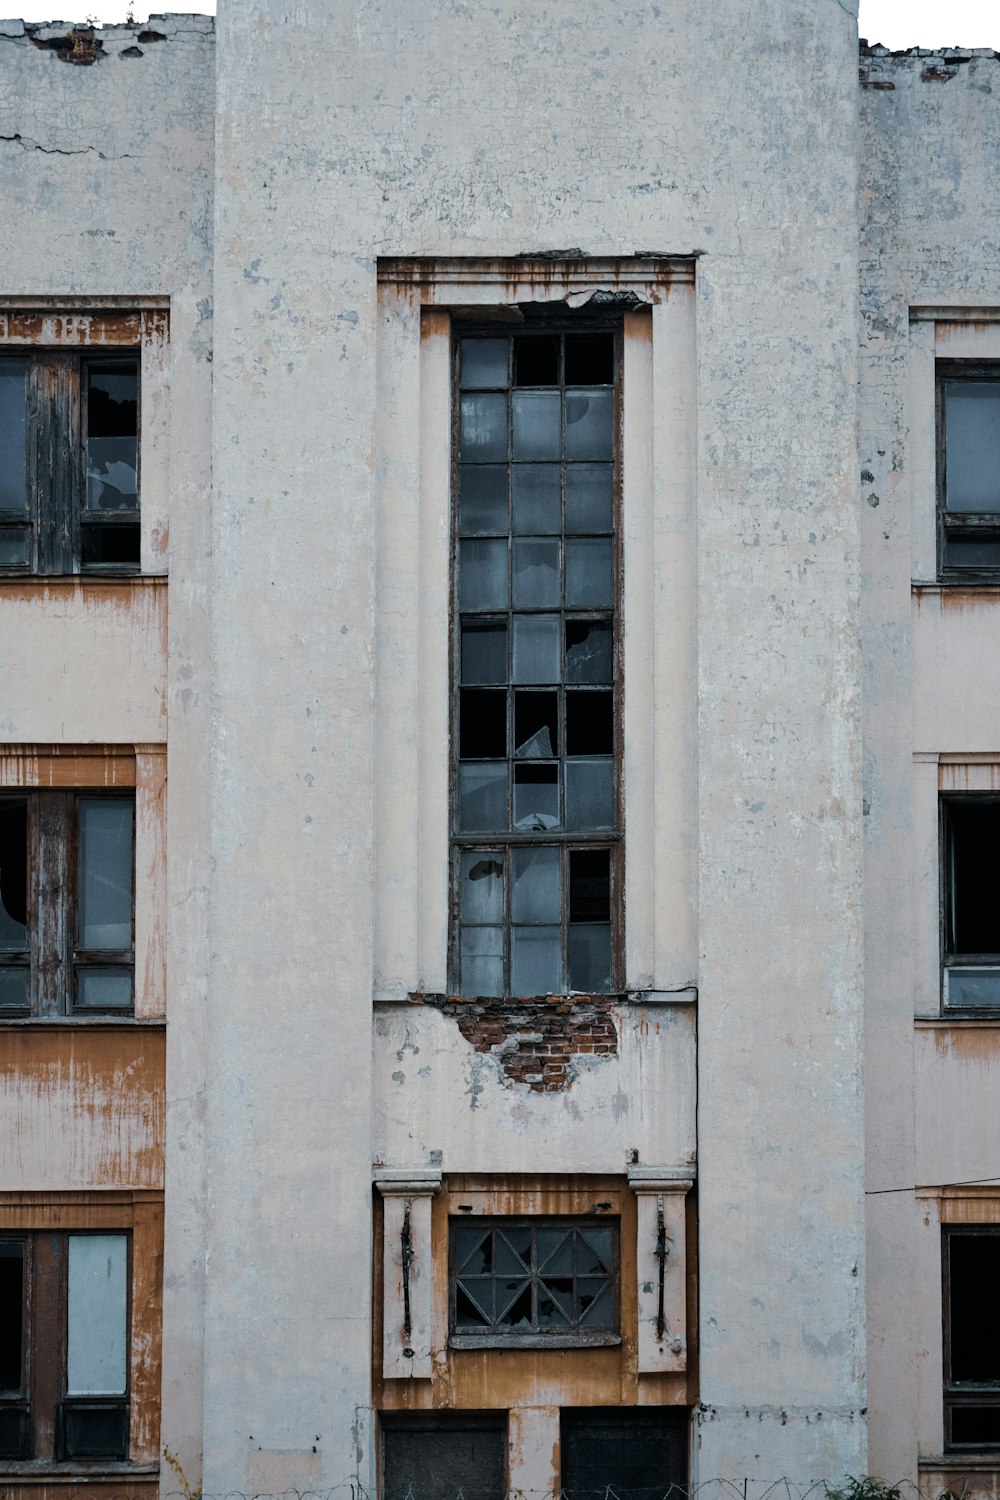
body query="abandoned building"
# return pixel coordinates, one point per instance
(500, 743)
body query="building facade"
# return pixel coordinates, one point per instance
(499, 576)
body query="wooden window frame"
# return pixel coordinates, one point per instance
(958, 1394)
(55, 957)
(950, 958)
(984, 525)
(56, 441)
(44, 1402)
(556, 321)
(574, 1337)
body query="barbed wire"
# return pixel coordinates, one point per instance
(719, 1489)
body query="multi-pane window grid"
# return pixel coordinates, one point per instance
(968, 444)
(970, 898)
(64, 1316)
(537, 802)
(66, 904)
(533, 1282)
(971, 1268)
(69, 456)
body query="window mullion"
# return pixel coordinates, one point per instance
(48, 1339)
(52, 889)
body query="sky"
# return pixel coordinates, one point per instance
(896, 23)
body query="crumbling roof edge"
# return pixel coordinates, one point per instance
(918, 54)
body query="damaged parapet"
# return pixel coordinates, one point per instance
(83, 46)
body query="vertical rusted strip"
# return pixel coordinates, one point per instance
(55, 851)
(48, 1338)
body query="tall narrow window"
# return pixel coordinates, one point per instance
(971, 936)
(537, 818)
(969, 470)
(972, 1337)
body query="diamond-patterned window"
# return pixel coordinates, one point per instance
(534, 1282)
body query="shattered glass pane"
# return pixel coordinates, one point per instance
(481, 886)
(536, 725)
(514, 1304)
(555, 1303)
(588, 651)
(483, 428)
(536, 956)
(594, 1301)
(482, 728)
(13, 430)
(535, 498)
(535, 421)
(13, 875)
(589, 425)
(590, 358)
(467, 1314)
(536, 572)
(112, 436)
(536, 361)
(484, 363)
(536, 797)
(593, 1254)
(474, 1251)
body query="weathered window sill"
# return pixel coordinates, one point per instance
(59, 1023)
(563, 1342)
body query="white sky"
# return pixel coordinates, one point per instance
(896, 23)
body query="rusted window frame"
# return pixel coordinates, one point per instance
(966, 1392)
(55, 957)
(44, 1400)
(573, 1337)
(56, 428)
(561, 322)
(950, 958)
(984, 524)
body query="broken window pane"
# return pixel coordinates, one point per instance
(13, 436)
(96, 1314)
(109, 544)
(483, 500)
(536, 725)
(974, 825)
(589, 425)
(535, 425)
(537, 960)
(11, 1317)
(484, 363)
(482, 733)
(974, 1279)
(483, 428)
(590, 358)
(536, 361)
(482, 960)
(536, 797)
(590, 723)
(535, 496)
(484, 652)
(482, 796)
(537, 1277)
(588, 571)
(112, 435)
(590, 793)
(105, 872)
(536, 648)
(975, 1426)
(972, 445)
(536, 572)
(589, 497)
(588, 651)
(536, 894)
(483, 575)
(104, 989)
(590, 885)
(13, 875)
(481, 886)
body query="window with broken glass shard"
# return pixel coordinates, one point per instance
(66, 904)
(968, 396)
(970, 827)
(536, 801)
(64, 1314)
(69, 461)
(536, 1283)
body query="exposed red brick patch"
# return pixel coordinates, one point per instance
(536, 1041)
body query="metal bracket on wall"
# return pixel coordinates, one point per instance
(662, 1251)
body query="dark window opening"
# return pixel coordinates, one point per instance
(535, 718)
(431, 1457)
(633, 1454)
(971, 937)
(69, 459)
(533, 1282)
(972, 1337)
(969, 471)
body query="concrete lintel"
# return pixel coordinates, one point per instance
(660, 1179)
(407, 1184)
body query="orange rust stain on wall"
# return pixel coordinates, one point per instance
(969, 1043)
(84, 1106)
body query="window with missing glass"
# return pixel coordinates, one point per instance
(66, 904)
(536, 799)
(64, 1340)
(970, 830)
(533, 1282)
(69, 462)
(971, 1264)
(969, 470)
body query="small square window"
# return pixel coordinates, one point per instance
(67, 881)
(969, 471)
(69, 462)
(533, 1283)
(429, 1455)
(971, 903)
